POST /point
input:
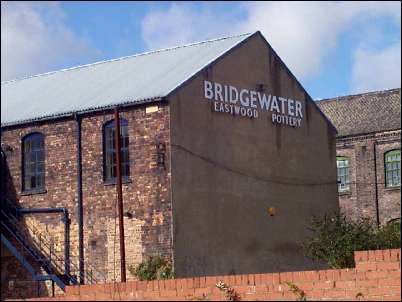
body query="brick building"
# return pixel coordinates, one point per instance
(368, 152)
(213, 135)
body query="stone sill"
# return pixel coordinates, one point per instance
(33, 192)
(114, 182)
(393, 188)
(344, 193)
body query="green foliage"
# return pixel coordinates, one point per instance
(153, 268)
(301, 295)
(335, 238)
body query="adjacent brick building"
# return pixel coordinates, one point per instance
(368, 153)
(218, 143)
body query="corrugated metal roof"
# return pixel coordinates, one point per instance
(133, 79)
(364, 113)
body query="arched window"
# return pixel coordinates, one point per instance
(33, 162)
(392, 161)
(342, 164)
(109, 154)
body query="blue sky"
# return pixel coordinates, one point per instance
(333, 48)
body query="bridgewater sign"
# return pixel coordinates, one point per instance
(244, 102)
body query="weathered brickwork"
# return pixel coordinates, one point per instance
(360, 200)
(376, 277)
(16, 282)
(146, 195)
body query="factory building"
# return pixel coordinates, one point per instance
(225, 158)
(368, 151)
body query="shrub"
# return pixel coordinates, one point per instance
(153, 268)
(335, 238)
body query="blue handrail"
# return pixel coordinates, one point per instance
(28, 266)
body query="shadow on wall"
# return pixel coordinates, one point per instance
(16, 281)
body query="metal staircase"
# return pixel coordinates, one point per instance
(36, 252)
(37, 256)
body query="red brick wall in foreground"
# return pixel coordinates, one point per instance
(377, 277)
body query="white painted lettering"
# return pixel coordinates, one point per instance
(283, 101)
(274, 105)
(233, 95)
(283, 110)
(216, 106)
(299, 109)
(291, 107)
(245, 101)
(218, 92)
(253, 98)
(243, 111)
(263, 101)
(208, 92)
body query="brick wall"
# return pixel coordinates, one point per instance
(360, 200)
(376, 277)
(146, 195)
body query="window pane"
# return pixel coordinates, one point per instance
(34, 157)
(27, 182)
(39, 181)
(392, 168)
(343, 173)
(110, 154)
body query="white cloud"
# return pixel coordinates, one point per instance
(376, 70)
(302, 33)
(305, 33)
(181, 24)
(36, 39)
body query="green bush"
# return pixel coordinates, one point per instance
(153, 268)
(335, 238)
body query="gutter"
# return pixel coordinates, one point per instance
(72, 114)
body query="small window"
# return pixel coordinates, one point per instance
(342, 164)
(393, 168)
(33, 162)
(109, 154)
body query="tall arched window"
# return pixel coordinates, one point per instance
(109, 152)
(392, 161)
(342, 164)
(33, 162)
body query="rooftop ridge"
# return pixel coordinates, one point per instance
(124, 58)
(347, 97)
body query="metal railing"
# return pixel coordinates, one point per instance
(41, 248)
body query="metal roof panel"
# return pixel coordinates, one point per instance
(131, 79)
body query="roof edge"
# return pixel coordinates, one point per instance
(338, 98)
(347, 136)
(82, 112)
(309, 98)
(122, 58)
(213, 61)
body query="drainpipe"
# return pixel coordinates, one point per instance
(377, 209)
(80, 217)
(120, 195)
(66, 222)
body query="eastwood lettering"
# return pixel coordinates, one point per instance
(244, 102)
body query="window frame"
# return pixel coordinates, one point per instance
(38, 189)
(105, 151)
(346, 175)
(386, 155)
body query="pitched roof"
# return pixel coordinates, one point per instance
(134, 79)
(364, 113)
